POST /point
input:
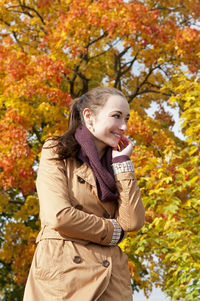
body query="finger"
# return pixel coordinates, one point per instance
(128, 150)
(121, 145)
(124, 142)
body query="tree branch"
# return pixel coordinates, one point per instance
(96, 40)
(13, 33)
(130, 66)
(16, 202)
(23, 7)
(85, 82)
(137, 92)
(118, 67)
(37, 134)
(16, 39)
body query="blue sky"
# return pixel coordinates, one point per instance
(157, 295)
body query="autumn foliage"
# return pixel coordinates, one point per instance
(54, 51)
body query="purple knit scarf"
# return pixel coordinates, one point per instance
(102, 169)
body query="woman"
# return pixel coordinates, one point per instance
(88, 198)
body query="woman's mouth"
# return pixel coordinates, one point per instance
(116, 135)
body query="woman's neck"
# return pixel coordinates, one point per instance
(101, 147)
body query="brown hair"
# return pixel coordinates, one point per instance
(67, 146)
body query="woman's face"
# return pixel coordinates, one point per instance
(109, 124)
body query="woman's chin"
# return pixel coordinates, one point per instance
(111, 143)
(114, 145)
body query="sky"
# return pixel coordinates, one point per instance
(174, 112)
(156, 295)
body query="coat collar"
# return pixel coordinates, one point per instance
(86, 174)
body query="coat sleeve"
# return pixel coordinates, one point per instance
(130, 214)
(56, 210)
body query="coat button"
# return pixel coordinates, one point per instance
(106, 215)
(77, 259)
(106, 263)
(79, 207)
(82, 181)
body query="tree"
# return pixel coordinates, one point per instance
(169, 241)
(53, 51)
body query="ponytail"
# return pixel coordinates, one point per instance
(66, 145)
(74, 120)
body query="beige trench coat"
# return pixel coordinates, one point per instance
(73, 260)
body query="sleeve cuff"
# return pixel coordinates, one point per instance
(123, 167)
(117, 234)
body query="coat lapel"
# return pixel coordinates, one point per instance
(86, 174)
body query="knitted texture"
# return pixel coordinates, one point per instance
(122, 167)
(117, 232)
(102, 169)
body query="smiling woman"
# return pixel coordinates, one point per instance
(109, 124)
(89, 198)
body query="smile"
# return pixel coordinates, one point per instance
(116, 135)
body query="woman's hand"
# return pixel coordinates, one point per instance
(126, 148)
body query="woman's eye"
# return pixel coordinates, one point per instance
(116, 116)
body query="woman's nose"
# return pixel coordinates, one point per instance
(123, 126)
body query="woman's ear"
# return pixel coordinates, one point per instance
(88, 118)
